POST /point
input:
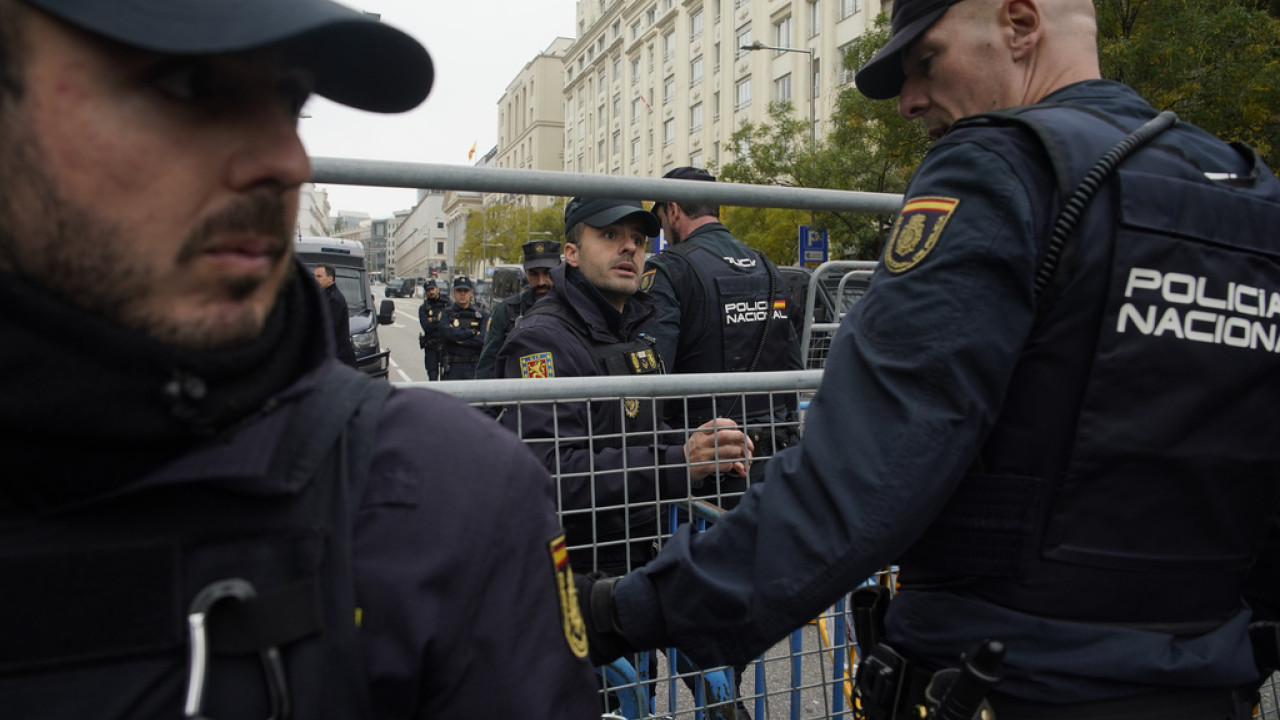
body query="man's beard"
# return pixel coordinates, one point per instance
(77, 256)
(540, 291)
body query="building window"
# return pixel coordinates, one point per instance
(617, 68)
(695, 159)
(440, 245)
(668, 4)
(740, 3)
(815, 17)
(635, 150)
(669, 131)
(617, 142)
(617, 105)
(715, 16)
(635, 29)
(668, 46)
(846, 75)
(715, 58)
(600, 152)
(637, 109)
(601, 83)
(695, 117)
(650, 16)
(601, 7)
(669, 89)
(744, 38)
(715, 107)
(695, 71)
(743, 92)
(695, 25)
(847, 8)
(816, 80)
(782, 33)
(617, 28)
(635, 70)
(782, 88)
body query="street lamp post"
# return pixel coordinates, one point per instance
(813, 126)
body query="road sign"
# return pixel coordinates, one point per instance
(813, 247)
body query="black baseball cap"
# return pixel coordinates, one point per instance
(541, 254)
(462, 281)
(603, 212)
(430, 284)
(882, 77)
(683, 173)
(356, 60)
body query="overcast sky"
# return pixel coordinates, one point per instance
(478, 47)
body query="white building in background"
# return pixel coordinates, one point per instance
(654, 84)
(420, 242)
(531, 121)
(313, 212)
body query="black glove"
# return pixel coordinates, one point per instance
(595, 600)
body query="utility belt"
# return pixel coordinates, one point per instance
(453, 358)
(891, 687)
(768, 441)
(428, 344)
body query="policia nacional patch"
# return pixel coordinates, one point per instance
(916, 232)
(575, 630)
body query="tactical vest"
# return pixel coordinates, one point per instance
(742, 327)
(1146, 390)
(232, 598)
(471, 318)
(636, 356)
(516, 308)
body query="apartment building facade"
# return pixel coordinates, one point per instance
(531, 121)
(654, 84)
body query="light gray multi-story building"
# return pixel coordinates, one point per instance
(655, 84)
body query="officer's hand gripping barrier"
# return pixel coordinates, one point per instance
(197, 623)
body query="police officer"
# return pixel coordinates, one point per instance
(429, 313)
(595, 322)
(539, 257)
(721, 308)
(1080, 466)
(203, 513)
(462, 326)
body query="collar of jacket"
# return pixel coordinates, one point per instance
(87, 406)
(605, 323)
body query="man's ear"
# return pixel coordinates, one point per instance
(571, 254)
(1024, 19)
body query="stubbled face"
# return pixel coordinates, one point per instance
(433, 292)
(539, 281)
(462, 296)
(956, 69)
(323, 278)
(157, 191)
(611, 258)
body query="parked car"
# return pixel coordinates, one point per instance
(399, 287)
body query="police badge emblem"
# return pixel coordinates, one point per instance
(575, 629)
(632, 407)
(916, 231)
(646, 281)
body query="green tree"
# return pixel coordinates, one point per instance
(871, 148)
(498, 231)
(1217, 64)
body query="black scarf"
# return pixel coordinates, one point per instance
(86, 405)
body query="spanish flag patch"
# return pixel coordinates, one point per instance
(575, 630)
(537, 365)
(916, 231)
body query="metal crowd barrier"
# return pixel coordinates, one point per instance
(808, 675)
